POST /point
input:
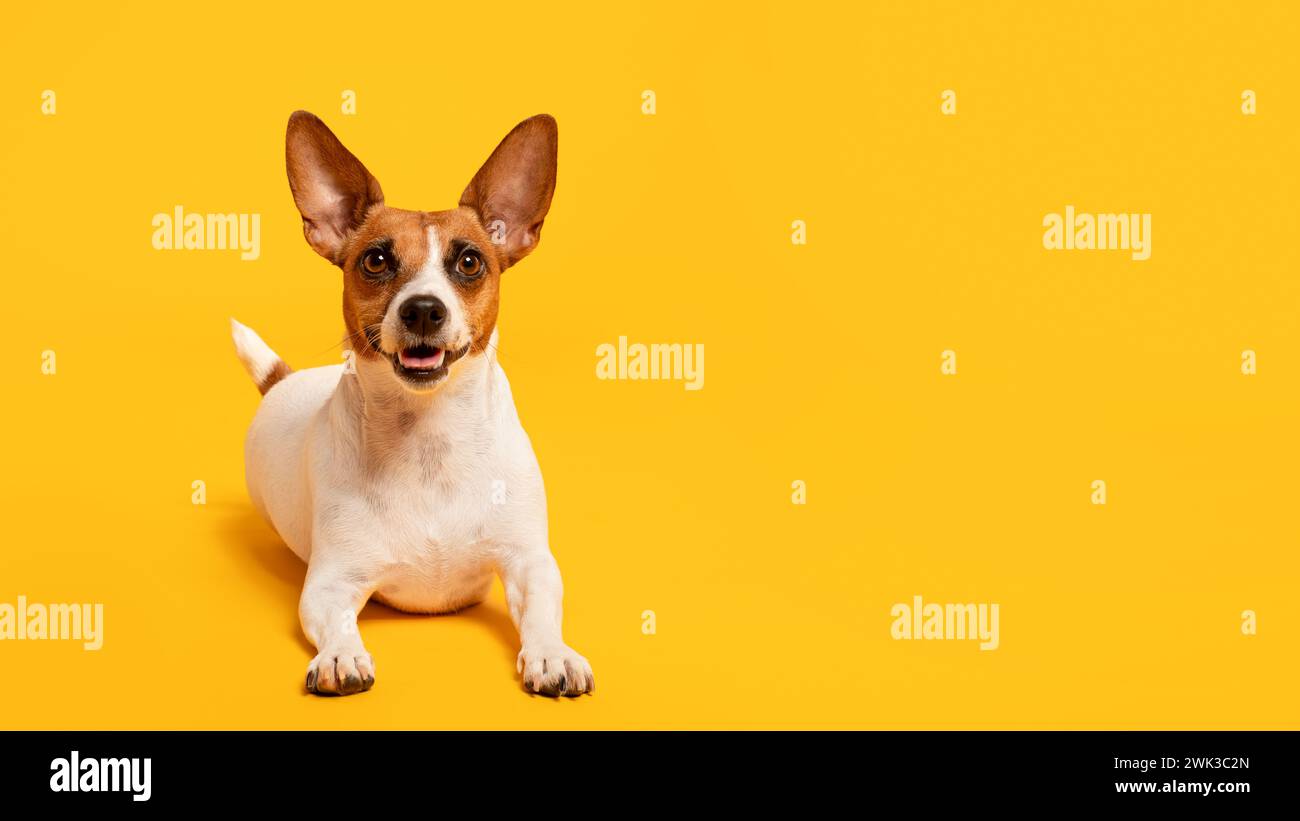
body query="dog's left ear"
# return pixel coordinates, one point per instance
(511, 193)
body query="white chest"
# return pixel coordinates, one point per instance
(435, 525)
(426, 501)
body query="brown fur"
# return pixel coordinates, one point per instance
(278, 371)
(365, 300)
(516, 184)
(344, 215)
(319, 168)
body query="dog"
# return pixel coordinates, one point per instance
(405, 474)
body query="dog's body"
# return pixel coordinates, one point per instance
(407, 475)
(427, 532)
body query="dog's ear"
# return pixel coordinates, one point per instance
(332, 189)
(511, 193)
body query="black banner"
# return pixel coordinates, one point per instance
(564, 772)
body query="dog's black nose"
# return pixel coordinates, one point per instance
(423, 314)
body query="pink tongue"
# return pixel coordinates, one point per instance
(421, 362)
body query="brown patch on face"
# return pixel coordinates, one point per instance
(402, 235)
(459, 230)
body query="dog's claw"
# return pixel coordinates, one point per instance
(341, 674)
(555, 672)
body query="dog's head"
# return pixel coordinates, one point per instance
(421, 288)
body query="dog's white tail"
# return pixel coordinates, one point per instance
(263, 364)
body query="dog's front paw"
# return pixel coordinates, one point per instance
(555, 670)
(341, 673)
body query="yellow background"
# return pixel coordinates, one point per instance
(924, 234)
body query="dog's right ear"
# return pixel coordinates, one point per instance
(332, 189)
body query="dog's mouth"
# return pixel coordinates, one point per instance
(421, 358)
(425, 364)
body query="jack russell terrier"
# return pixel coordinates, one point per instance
(405, 475)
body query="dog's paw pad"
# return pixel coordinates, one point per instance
(340, 674)
(555, 671)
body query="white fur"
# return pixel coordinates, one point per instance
(389, 492)
(431, 280)
(257, 356)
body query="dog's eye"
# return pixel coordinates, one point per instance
(376, 262)
(469, 264)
